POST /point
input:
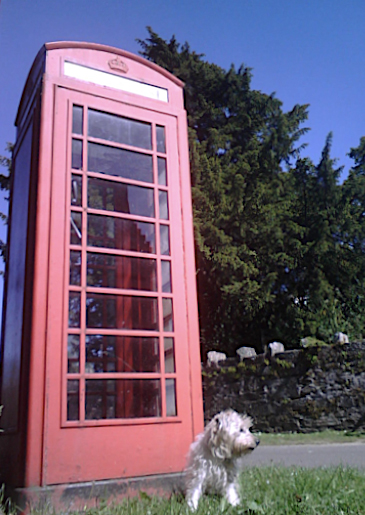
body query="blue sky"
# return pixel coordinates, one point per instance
(306, 51)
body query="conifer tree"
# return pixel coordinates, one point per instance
(240, 139)
(280, 243)
(353, 242)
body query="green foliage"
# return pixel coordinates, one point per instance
(6, 162)
(280, 244)
(240, 139)
(283, 363)
(312, 341)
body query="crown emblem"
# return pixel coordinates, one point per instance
(118, 64)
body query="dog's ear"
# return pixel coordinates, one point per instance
(216, 438)
(247, 421)
(213, 429)
(217, 422)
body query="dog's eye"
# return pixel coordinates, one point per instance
(242, 430)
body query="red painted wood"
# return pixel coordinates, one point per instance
(59, 450)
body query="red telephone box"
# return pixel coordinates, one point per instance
(100, 351)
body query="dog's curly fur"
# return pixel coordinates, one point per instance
(214, 457)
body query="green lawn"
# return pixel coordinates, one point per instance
(327, 436)
(271, 490)
(268, 490)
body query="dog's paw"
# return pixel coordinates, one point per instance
(193, 499)
(232, 496)
(193, 505)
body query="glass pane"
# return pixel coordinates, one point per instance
(165, 240)
(164, 210)
(122, 398)
(73, 353)
(162, 175)
(169, 355)
(76, 154)
(121, 312)
(117, 233)
(73, 400)
(77, 112)
(75, 267)
(120, 162)
(121, 354)
(170, 398)
(130, 273)
(74, 309)
(119, 197)
(166, 276)
(120, 130)
(167, 315)
(160, 139)
(76, 190)
(75, 232)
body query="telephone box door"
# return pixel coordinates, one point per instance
(118, 393)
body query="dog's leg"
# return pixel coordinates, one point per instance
(193, 496)
(232, 495)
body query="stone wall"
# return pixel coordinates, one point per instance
(301, 390)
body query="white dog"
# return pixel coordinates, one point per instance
(215, 456)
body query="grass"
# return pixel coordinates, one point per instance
(327, 436)
(268, 490)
